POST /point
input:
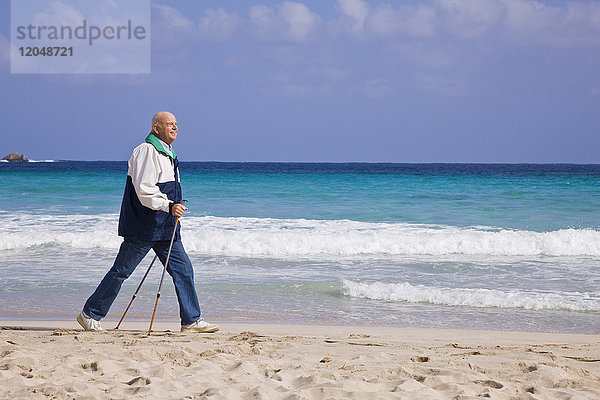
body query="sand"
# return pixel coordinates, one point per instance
(56, 360)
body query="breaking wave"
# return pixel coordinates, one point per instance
(265, 237)
(480, 298)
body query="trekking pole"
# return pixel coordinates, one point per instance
(137, 290)
(163, 273)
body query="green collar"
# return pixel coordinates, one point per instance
(153, 140)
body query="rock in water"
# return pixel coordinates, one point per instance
(15, 157)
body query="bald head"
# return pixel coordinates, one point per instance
(164, 126)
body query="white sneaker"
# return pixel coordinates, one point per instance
(200, 326)
(88, 323)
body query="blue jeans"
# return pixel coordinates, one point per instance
(130, 255)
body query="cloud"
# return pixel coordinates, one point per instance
(384, 20)
(214, 26)
(58, 13)
(517, 21)
(299, 19)
(111, 12)
(355, 12)
(440, 45)
(406, 20)
(101, 12)
(289, 21)
(172, 19)
(219, 25)
(264, 20)
(567, 24)
(521, 21)
(470, 18)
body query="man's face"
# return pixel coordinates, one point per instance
(167, 129)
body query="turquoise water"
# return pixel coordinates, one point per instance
(437, 245)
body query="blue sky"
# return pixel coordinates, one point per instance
(344, 80)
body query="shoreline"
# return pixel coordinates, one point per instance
(514, 337)
(269, 361)
(171, 324)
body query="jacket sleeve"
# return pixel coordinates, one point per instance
(144, 171)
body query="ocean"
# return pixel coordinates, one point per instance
(469, 246)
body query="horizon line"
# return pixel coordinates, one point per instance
(335, 162)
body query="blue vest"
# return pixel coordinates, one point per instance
(139, 222)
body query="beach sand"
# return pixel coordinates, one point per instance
(41, 360)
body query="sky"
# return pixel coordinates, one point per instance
(491, 81)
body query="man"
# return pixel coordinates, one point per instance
(150, 207)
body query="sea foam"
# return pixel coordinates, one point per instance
(481, 298)
(299, 237)
(266, 237)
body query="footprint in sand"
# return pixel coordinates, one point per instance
(139, 381)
